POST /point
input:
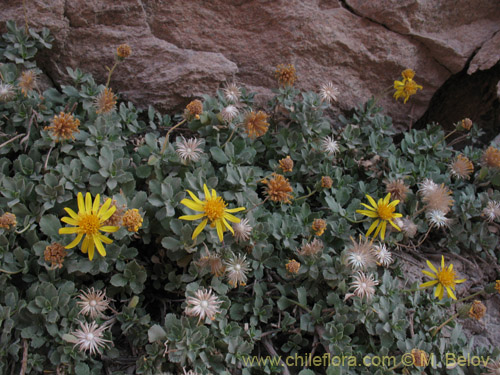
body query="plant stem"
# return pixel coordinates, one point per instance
(469, 297)
(230, 136)
(165, 141)
(445, 323)
(306, 196)
(300, 305)
(444, 139)
(110, 73)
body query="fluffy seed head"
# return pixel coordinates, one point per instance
(492, 211)
(232, 93)
(493, 367)
(278, 189)
(408, 227)
(312, 248)
(123, 51)
(203, 305)
(256, 124)
(213, 261)
(397, 188)
(364, 285)
(242, 230)
(319, 226)
(286, 164)
(491, 157)
(6, 92)
(116, 219)
(438, 218)
(383, 255)
(236, 270)
(8, 220)
(438, 198)
(105, 102)
(285, 74)
(427, 186)
(55, 254)
(132, 220)
(89, 337)
(461, 167)
(229, 113)
(329, 145)
(292, 266)
(93, 303)
(189, 150)
(63, 126)
(477, 310)
(328, 92)
(360, 254)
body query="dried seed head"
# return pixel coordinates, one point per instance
(408, 227)
(6, 92)
(28, 81)
(90, 337)
(292, 266)
(438, 199)
(132, 220)
(8, 220)
(189, 150)
(55, 254)
(278, 189)
(123, 51)
(115, 220)
(465, 124)
(326, 182)
(420, 358)
(491, 157)
(236, 270)
(256, 124)
(492, 211)
(477, 310)
(397, 188)
(461, 167)
(383, 255)
(63, 126)
(229, 113)
(232, 93)
(328, 92)
(438, 218)
(213, 261)
(285, 74)
(319, 226)
(105, 102)
(329, 145)
(286, 164)
(193, 110)
(311, 249)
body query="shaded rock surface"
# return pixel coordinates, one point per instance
(182, 49)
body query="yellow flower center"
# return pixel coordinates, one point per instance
(446, 277)
(89, 224)
(385, 212)
(214, 208)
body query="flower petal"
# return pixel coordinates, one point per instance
(85, 244)
(220, 230)
(367, 213)
(68, 230)
(450, 293)
(439, 291)
(97, 202)
(387, 198)
(104, 239)
(104, 207)
(75, 242)
(107, 214)
(109, 228)
(194, 197)
(71, 213)
(100, 247)
(442, 262)
(206, 191)
(228, 226)
(431, 266)
(88, 203)
(69, 220)
(231, 218)
(429, 274)
(394, 225)
(91, 250)
(372, 227)
(460, 281)
(428, 284)
(192, 217)
(192, 205)
(199, 228)
(369, 207)
(372, 201)
(81, 204)
(233, 210)
(382, 233)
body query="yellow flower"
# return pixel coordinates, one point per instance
(444, 277)
(132, 219)
(89, 222)
(213, 208)
(383, 212)
(407, 86)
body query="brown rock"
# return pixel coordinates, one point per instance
(182, 49)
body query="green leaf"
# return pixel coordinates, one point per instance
(118, 280)
(49, 225)
(156, 333)
(170, 243)
(143, 171)
(219, 155)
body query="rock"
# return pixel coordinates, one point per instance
(184, 49)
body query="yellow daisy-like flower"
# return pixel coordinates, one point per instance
(407, 86)
(383, 212)
(444, 277)
(213, 208)
(89, 222)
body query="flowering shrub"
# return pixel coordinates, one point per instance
(185, 286)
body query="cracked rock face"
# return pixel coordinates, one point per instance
(182, 49)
